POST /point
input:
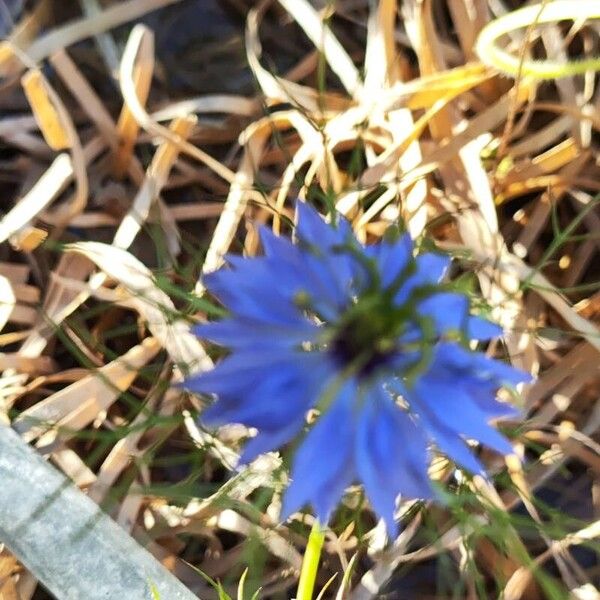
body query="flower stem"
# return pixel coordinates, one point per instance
(310, 563)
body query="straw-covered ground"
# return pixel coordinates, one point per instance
(141, 140)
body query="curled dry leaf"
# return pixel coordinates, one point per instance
(78, 404)
(46, 189)
(60, 133)
(77, 30)
(150, 301)
(7, 300)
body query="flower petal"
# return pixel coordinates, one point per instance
(249, 333)
(332, 246)
(391, 456)
(429, 270)
(447, 310)
(250, 293)
(482, 329)
(275, 246)
(240, 371)
(323, 465)
(276, 395)
(312, 228)
(391, 258)
(267, 441)
(446, 406)
(326, 279)
(475, 364)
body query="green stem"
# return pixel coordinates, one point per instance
(310, 563)
(550, 12)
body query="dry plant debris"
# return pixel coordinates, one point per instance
(128, 168)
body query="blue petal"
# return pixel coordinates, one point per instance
(240, 371)
(431, 267)
(285, 259)
(457, 450)
(411, 335)
(331, 278)
(325, 270)
(275, 246)
(429, 270)
(344, 230)
(267, 441)
(330, 244)
(391, 456)
(401, 361)
(248, 333)
(392, 258)
(476, 364)
(281, 395)
(272, 402)
(433, 425)
(448, 311)
(323, 466)
(482, 329)
(449, 406)
(483, 394)
(312, 228)
(327, 278)
(251, 293)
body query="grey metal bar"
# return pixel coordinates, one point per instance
(67, 542)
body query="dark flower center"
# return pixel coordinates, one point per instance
(366, 337)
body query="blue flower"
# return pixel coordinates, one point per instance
(371, 338)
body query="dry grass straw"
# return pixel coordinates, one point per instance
(406, 126)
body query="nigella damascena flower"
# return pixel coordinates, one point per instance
(370, 338)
